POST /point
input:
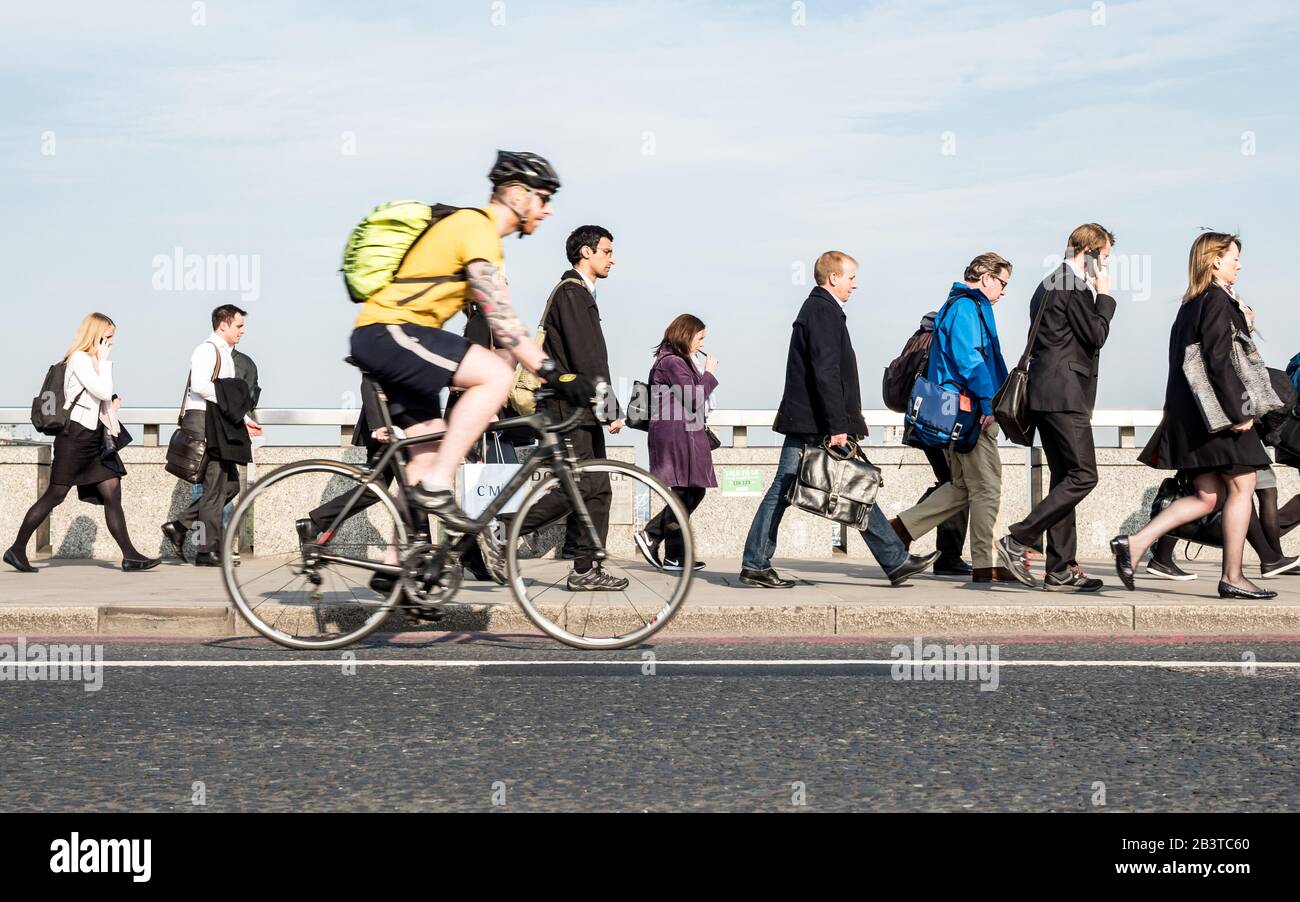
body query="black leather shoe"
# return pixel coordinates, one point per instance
(913, 565)
(19, 562)
(1230, 591)
(175, 533)
(765, 579)
(207, 559)
(1123, 561)
(136, 565)
(952, 567)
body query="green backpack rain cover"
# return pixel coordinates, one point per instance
(380, 242)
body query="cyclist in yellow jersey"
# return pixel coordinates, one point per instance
(398, 337)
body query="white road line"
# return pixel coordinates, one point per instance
(661, 662)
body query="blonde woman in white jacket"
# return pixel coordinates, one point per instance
(80, 451)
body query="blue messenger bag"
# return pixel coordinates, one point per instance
(939, 417)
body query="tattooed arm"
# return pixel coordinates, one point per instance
(488, 285)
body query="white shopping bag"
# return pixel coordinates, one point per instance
(480, 484)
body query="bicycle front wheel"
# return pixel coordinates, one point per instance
(639, 597)
(304, 596)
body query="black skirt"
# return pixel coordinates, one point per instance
(79, 457)
(1185, 444)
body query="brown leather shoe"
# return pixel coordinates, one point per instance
(901, 531)
(993, 575)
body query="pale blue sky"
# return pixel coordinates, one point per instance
(722, 143)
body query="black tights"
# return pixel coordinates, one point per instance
(110, 491)
(1288, 516)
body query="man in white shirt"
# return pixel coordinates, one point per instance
(211, 360)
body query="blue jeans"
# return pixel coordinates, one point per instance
(880, 537)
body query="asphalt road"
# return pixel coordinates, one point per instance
(500, 725)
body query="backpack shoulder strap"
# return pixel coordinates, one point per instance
(983, 325)
(68, 405)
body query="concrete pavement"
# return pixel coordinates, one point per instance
(832, 598)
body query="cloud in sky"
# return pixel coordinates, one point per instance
(771, 142)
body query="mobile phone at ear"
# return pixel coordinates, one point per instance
(1091, 264)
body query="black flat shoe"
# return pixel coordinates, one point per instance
(207, 559)
(1123, 561)
(1227, 590)
(137, 565)
(19, 562)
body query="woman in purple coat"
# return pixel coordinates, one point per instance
(679, 446)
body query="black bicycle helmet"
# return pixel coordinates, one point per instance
(529, 168)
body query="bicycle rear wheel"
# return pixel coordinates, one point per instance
(539, 575)
(307, 598)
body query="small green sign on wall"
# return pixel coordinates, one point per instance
(742, 481)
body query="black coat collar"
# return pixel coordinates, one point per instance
(825, 295)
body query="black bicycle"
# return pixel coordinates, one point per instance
(314, 591)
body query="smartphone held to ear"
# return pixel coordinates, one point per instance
(1091, 264)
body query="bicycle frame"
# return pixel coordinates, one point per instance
(550, 451)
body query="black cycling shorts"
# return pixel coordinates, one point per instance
(412, 363)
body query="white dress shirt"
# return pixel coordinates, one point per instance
(80, 374)
(201, 362)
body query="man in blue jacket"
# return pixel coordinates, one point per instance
(966, 358)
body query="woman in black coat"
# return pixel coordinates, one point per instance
(1221, 463)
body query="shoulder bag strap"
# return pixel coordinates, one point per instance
(546, 311)
(1033, 331)
(185, 395)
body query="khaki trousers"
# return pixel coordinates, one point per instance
(977, 482)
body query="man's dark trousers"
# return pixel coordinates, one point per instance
(220, 486)
(588, 443)
(950, 537)
(1072, 459)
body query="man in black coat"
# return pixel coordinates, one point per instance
(1076, 310)
(575, 341)
(822, 400)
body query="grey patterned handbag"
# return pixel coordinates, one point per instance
(1250, 369)
(840, 487)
